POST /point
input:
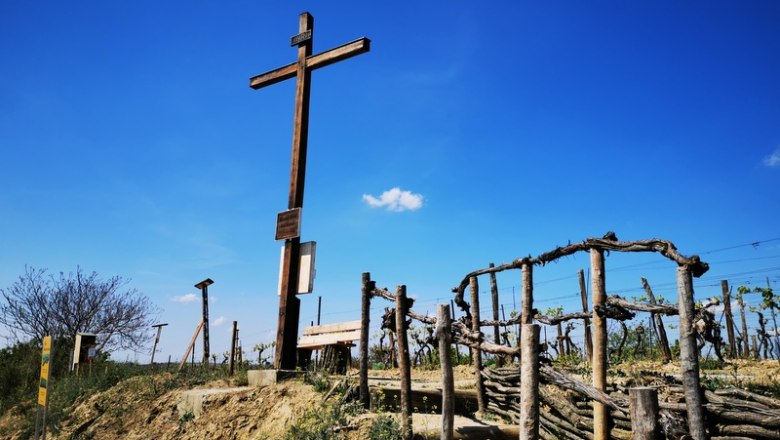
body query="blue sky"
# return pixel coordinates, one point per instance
(132, 145)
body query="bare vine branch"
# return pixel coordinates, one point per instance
(608, 243)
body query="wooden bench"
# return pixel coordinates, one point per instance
(320, 336)
(335, 341)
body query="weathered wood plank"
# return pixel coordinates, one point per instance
(332, 328)
(349, 50)
(423, 401)
(315, 341)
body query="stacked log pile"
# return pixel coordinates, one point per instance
(567, 412)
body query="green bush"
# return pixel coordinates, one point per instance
(384, 427)
(19, 372)
(317, 424)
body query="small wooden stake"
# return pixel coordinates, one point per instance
(457, 347)
(233, 348)
(477, 358)
(643, 407)
(724, 287)
(494, 300)
(689, 356)
(368, 287)
(599, 292)
(745, 342)
(584, 296)
(561, 347)
(529, 382)
(156, 341)
(443, 333)
(754, 340)
(659, 324)
(401, 326)
(191, 346)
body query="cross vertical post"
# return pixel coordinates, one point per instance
(289, 305)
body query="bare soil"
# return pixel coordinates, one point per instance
(138, 409)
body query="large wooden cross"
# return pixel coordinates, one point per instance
(289, 304)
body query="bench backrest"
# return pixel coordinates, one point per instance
(340, 333)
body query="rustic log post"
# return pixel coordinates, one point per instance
(689, 356)
(643, 407)
(457, 347)
(663, 340)
(393, 357)
(233, 348)
(401, 326)
(477, 353)
(584, 296)
(368, 287)
(529, 382)
(724, 286)
(756, 354)
(527, 300)
(599, 292)
(494, 300)
(444, 334)
(745, 342)
(561, 345)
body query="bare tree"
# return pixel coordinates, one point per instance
(37, 305)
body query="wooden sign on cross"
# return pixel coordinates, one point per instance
(289, 304)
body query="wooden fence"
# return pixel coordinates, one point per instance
(596, 410)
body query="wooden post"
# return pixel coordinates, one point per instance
(494, 300)
(529, 382)
(319, 312)
(393, 349)
(401, 326)
(643, 407)
(561, 345)
(204, 287)
(477, 357)
(599, 292)
(233, 348)
(239, 351)
(190, 347)
(584, 296)
(724, 287)
(457, 347)
(745, 342)
(756, 354)
(368, 288)
(156, 341)
(659, 324)
(527, 301)
(689, 356)
(443, 333)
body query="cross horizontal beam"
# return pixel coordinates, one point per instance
(313, 62)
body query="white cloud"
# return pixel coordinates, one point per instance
(219, 321)
(773, 160)
(395, 199)
(188, 298)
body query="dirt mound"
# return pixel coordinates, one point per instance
(134, 409)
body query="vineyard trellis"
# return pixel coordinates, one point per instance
(601, 412)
